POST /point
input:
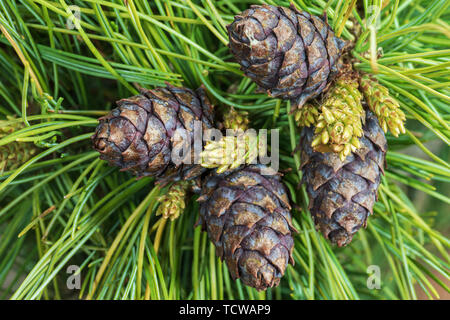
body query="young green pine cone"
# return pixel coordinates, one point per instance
(16, 153)
(342, 193)
(385, 107)
(247, 218)
(338, 125)
(173, 203)
(292, 54)
(145, 132)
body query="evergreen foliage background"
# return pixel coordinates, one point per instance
(64, 206)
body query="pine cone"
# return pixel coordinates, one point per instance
(292, 54)
(141, 134)
(247, 217)
(342, 193)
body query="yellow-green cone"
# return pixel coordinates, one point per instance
(236, 120)
(15, 153)
(307, 115)
(384, 106)
(232, 151)
(339, 123)
(173, 203)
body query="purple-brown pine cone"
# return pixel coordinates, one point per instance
(139, 135)
(342, 193)
(291, 54)
(247, 218)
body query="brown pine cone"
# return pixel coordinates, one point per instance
(342, 193)
(292, 54)
(247, 218)
(141, 134)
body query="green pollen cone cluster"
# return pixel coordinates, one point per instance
(383, 105)
(173, 203)
(338, 120)
(235, 120)
(15, 153)
(307, 116)
(231, 151)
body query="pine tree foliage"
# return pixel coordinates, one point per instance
(64, 206)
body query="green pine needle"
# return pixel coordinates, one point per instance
(66, 207)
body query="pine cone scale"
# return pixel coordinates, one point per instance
(246, 214)
(135, 113)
